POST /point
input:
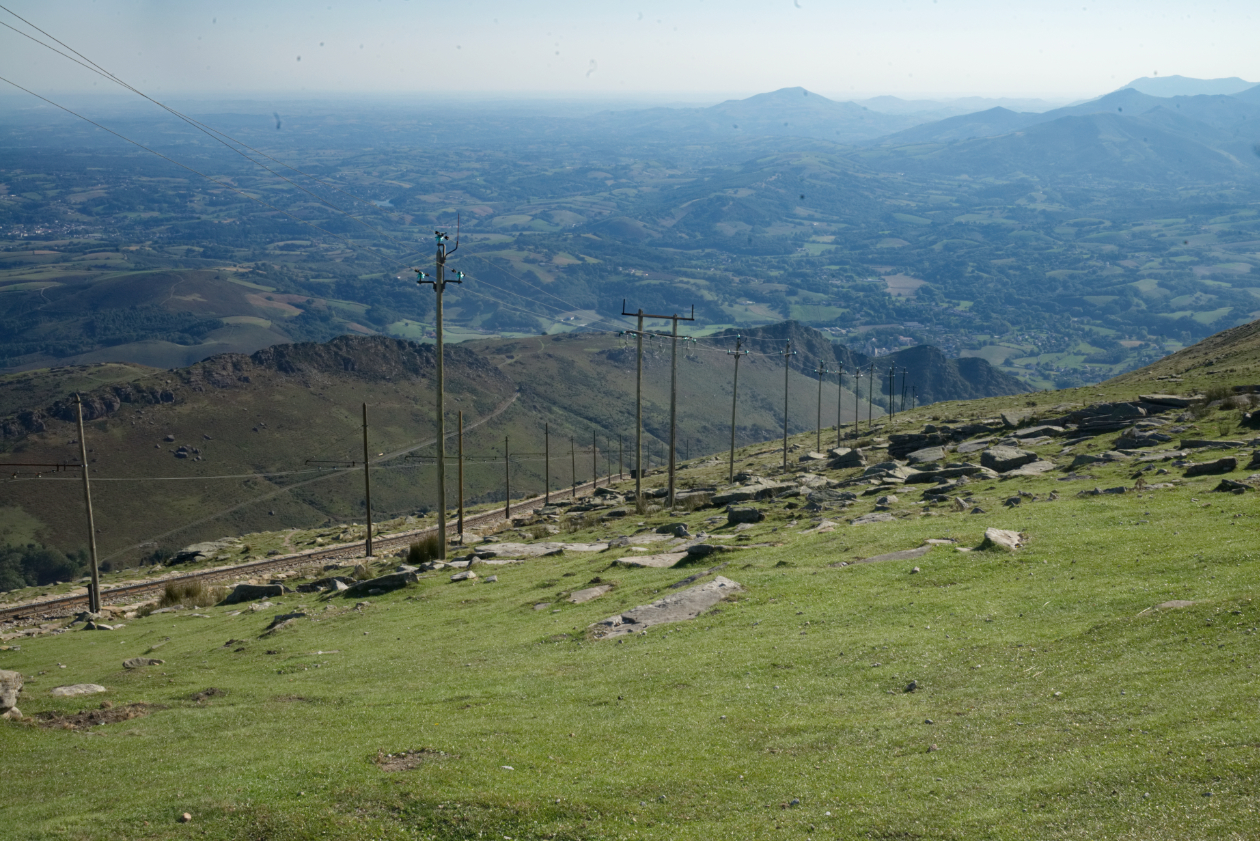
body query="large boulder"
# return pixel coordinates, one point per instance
(1002, 539)
(1212, 468)
(1003, 459)
(746, 514)
(253, 592)
(843, 457)
(384, 583)
(926, 455)
(10, 687)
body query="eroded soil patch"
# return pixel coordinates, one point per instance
(85, 719)
(410, 759)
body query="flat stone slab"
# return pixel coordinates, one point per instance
(74, 690)
(1174, 604)
(1035, 468)
(589, 594)
(1211, 468)
(876, 517)
(1175, 400)
(141, 662)
(661, 561)
(974, 446)
(253, 592)
(393, 581)
(903, 555)
(677, 607)
(1201, 444)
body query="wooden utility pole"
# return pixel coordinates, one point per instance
(594, 460)
(461, 472)
(839, 399)
(857, 399)
(573, 465)
(904, 373)
(673, 386)
(738, 353)
(367, 482)
(870, 397)
(439, 286)
(547, 464)
(892, 393)
(507, 482)
(820, 371)
(621, 456)
(787, 355)
(94, 589)
(638, 411)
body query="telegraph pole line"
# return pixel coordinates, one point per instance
(367, 482)
(621, 457)
(905, 372)
(594, 460)
(507, 482)
(439, 282)
(94, 591)
(547, 463)
(738, 353)
(573, 466)
(673, 386)
(820, 371)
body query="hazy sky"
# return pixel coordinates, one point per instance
(684, 48)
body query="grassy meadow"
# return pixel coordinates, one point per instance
(1053, 698)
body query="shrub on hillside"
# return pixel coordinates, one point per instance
(424, 550)
(34, 565)
(192, 593)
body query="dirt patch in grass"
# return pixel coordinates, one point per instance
(410, 759)
(291, 698)
(84, 719)
(206, 694)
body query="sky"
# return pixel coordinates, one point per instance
(692, 50)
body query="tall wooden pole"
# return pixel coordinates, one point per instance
(94, 590)
(870, 397)
(547, 463)
(573, 465)
(461, 473)
(673, 410)
(787, 354)
(507, 482)
(738, 353)
(367, 482)
(839, 399)
(621, 457)
(439, 285)
(594, 460)
(638, 423)
(820, 370)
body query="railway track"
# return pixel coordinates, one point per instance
(62, 606)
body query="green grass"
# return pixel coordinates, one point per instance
(627, 739)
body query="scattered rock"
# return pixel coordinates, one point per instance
(490, 579)
(185, 818)
(12, 714)
(10, 688)
(875, 517)
(843, 458)
(467, 575)
(927, 455)
(661, 561)
(1230, 486)
(253, 592)
(912, 686)
(141, 662)
(744, 515)
(1002, 539)
(76, 689)
(385, 583)
(589, 594)
(1003, 459)
(1210, 468)
(677, 607)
